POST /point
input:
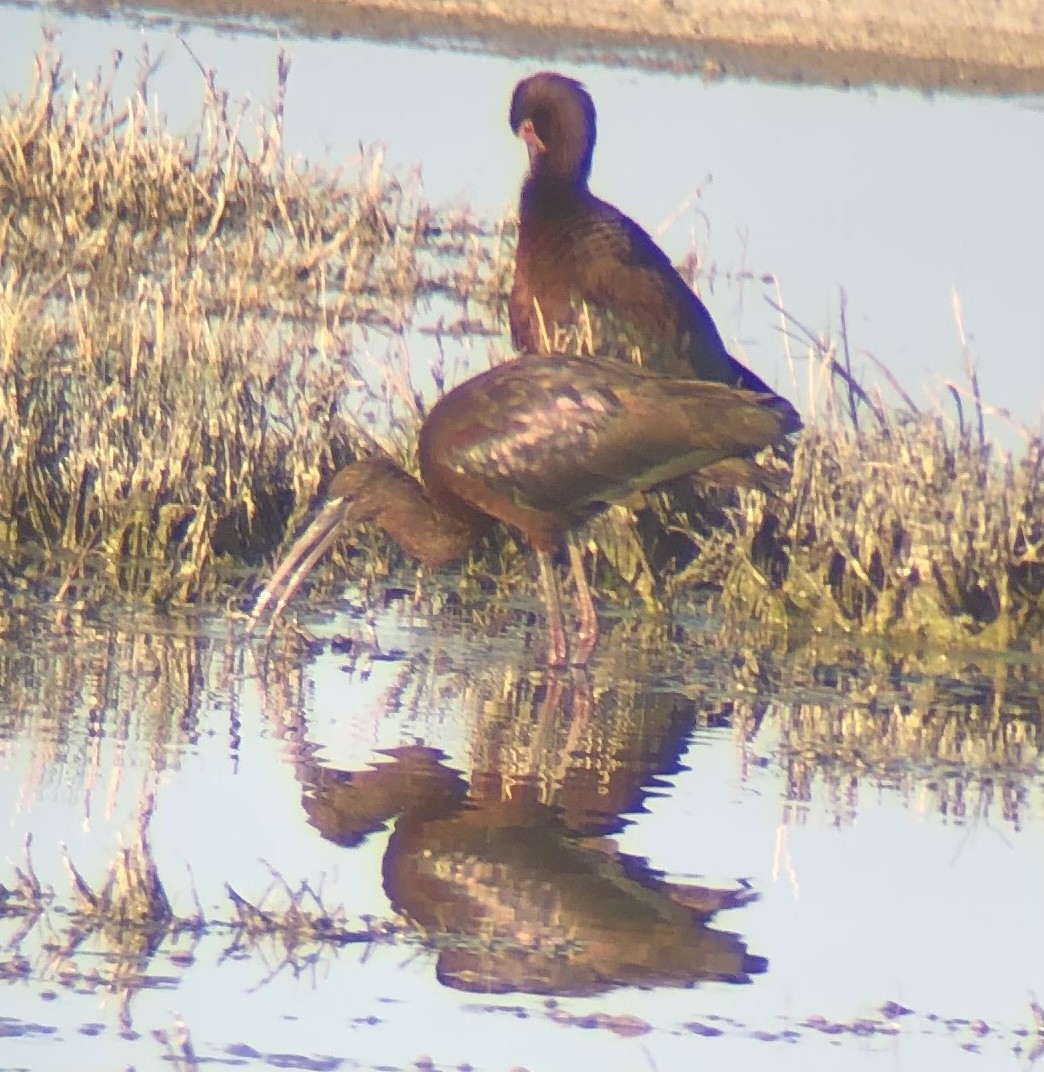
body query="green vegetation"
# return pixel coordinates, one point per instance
(185, 358)
(897, 522)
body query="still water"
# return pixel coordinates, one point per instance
(713, 848)
(709, 847)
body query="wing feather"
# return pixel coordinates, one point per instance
(560, 435)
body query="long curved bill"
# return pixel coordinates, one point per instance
(310, 546)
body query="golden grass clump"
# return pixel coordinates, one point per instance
(897, 521)
(177, 328)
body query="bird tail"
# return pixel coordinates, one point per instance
(745, 473)
(789, 418)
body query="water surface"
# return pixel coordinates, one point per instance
(708, 847)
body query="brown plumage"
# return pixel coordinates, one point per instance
(540, 443)
(574, 247)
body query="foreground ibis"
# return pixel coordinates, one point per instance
(540, 443)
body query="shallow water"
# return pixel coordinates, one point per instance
(709, 847)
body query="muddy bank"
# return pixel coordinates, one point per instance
(970, 46)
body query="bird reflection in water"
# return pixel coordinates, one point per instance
(512, 870)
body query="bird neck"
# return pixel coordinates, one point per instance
(566, 159)
(428, 530)
(432, 532)
(546, 193)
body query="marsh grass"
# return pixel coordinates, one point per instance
(109, 938)
(897, 521)
(181, 325)
(196, 332)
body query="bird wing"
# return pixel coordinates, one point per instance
(576, 246)
(558, 436)
(630, 278)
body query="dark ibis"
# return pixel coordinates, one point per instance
(574, 247)
(539, 443)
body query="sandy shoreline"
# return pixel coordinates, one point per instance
(978, 46)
